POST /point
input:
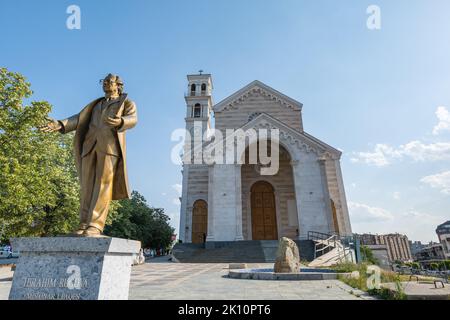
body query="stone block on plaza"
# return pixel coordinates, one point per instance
(237, 266)
(73, 268)
(288, 257)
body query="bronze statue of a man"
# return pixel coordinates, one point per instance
(100, 152)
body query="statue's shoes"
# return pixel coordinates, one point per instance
(92, 232)
(76, 233)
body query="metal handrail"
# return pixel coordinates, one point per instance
(330, 240)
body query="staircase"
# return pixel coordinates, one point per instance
(330, 250)
(256, 251)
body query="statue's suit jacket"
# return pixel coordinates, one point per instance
(126, 109)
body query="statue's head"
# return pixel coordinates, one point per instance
(112, 83)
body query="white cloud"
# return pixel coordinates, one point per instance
(416, 225)
(379, 157)
(443, 116)
(417, 151)
(176, 201)
(363, 213)
(440, 181)
(178, 188)
(396, 195)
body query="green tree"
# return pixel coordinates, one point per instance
(38, 180)
(136, 220)
(368, 255)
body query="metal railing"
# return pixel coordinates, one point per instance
(325, 242)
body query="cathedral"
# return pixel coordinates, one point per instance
(235, 201)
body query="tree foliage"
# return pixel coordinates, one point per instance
(136, 220)
(38, 180)
(368, 255)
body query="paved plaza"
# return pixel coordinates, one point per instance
(163, 280)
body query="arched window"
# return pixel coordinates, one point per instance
(203, 89)
(197, 110)
(193, 88)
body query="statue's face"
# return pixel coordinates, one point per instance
(110, 85)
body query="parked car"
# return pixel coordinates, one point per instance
(7, 254)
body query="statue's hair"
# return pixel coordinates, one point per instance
(118, 80)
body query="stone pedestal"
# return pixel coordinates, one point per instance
(66, 268)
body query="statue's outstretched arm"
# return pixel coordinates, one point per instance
(69, 124)
(63, 126)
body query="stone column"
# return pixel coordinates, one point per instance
(183, 208)
(347, 230)
(211, 211)
(312, 211)
(326, 194)
(223, 196)
(188, 228)
(295, 173)
(238, 181)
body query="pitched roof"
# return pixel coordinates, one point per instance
(256, 85)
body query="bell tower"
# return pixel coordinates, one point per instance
(198, 121)
(198, 103)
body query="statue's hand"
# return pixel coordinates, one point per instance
(51, 126)
(113, 122)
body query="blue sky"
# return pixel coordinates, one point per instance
(360, 88)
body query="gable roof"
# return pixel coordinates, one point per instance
(257, 86)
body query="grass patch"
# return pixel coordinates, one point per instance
(360, 282)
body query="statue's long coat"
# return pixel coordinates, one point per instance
(80, 123)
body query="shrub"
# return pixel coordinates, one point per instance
(434, 266)
(368, 255)
(361, 282)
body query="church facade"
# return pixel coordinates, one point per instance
(235, 201)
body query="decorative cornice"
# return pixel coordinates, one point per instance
(292, 139)
(234, 104)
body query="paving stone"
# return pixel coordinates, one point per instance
(167, 281)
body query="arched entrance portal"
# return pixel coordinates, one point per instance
(199, 221)
(264, 218)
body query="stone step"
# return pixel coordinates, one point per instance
(259, 251)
